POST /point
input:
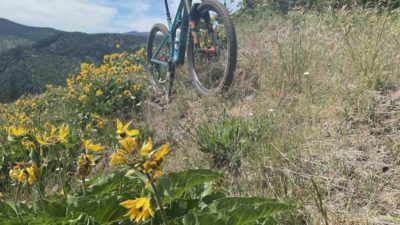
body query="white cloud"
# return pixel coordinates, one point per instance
(80, 15)
(71, 15)
(90, 16)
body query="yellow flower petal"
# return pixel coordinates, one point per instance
(133, 132)
(140, 202)
(146, 147)
(161, 152)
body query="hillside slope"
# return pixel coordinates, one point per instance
(313, 114)
(32, 57)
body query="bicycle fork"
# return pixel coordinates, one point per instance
(195, 15)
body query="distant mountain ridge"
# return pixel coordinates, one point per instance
(138, 33)
(31, 57)
(11, 28)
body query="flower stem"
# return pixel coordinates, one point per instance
(158, 199)
(17, 209)
(84, 186)
(41, 199)
(62, 183)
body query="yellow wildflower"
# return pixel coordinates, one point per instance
(28, 144)
(82, 98)
(86, 88)
(139, 209)
(85, 165)
(137, 87)
(85, 68)
(62, 133)
(32, 171)
(52, 138)
(118, 158)
(161, 152)
(23, 172)
(89, 146)
(129, 144)
(127, 93)
(41, 139)
(1, 195)
(99, 93)
(97, 121)
(123, 130)
(126, 154)
(134, 68)
(154, 162)
(17, 132)
(141, 53)
(106, 58)
(146, 147)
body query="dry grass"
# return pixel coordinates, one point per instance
(328, 84)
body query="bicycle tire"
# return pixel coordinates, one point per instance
(152, 67)
(231, 46)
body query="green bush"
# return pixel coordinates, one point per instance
(230, 139)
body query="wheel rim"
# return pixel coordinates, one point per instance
(210, 60)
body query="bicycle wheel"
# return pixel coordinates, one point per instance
(160, 77)
(212, 60)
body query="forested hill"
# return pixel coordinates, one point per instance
(32, 57)
(10, 28)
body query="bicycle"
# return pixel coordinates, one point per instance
(206, 31)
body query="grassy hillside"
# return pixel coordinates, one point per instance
(31, 57)
(28, 68)
(312, 118)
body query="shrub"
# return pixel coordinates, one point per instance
(230, 139)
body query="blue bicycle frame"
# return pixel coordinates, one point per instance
(181, 20)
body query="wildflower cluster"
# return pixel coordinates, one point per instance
(142, 158)
(50, 145)
(115, 84)
(86, 161)
(24, 172)
(46, 129)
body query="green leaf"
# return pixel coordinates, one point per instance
(103, 210)
(235, 211)
(180, 207)
(119, 180)
(178, 183)
(105, 184)
(53, 208)
(7, 209)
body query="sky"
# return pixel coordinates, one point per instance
(90, 16)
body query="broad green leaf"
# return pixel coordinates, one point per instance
(180, 207)
(103, 185)
(235, 211)
(53, 208)
(178, 183)
(7, 209)
(103, 210)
